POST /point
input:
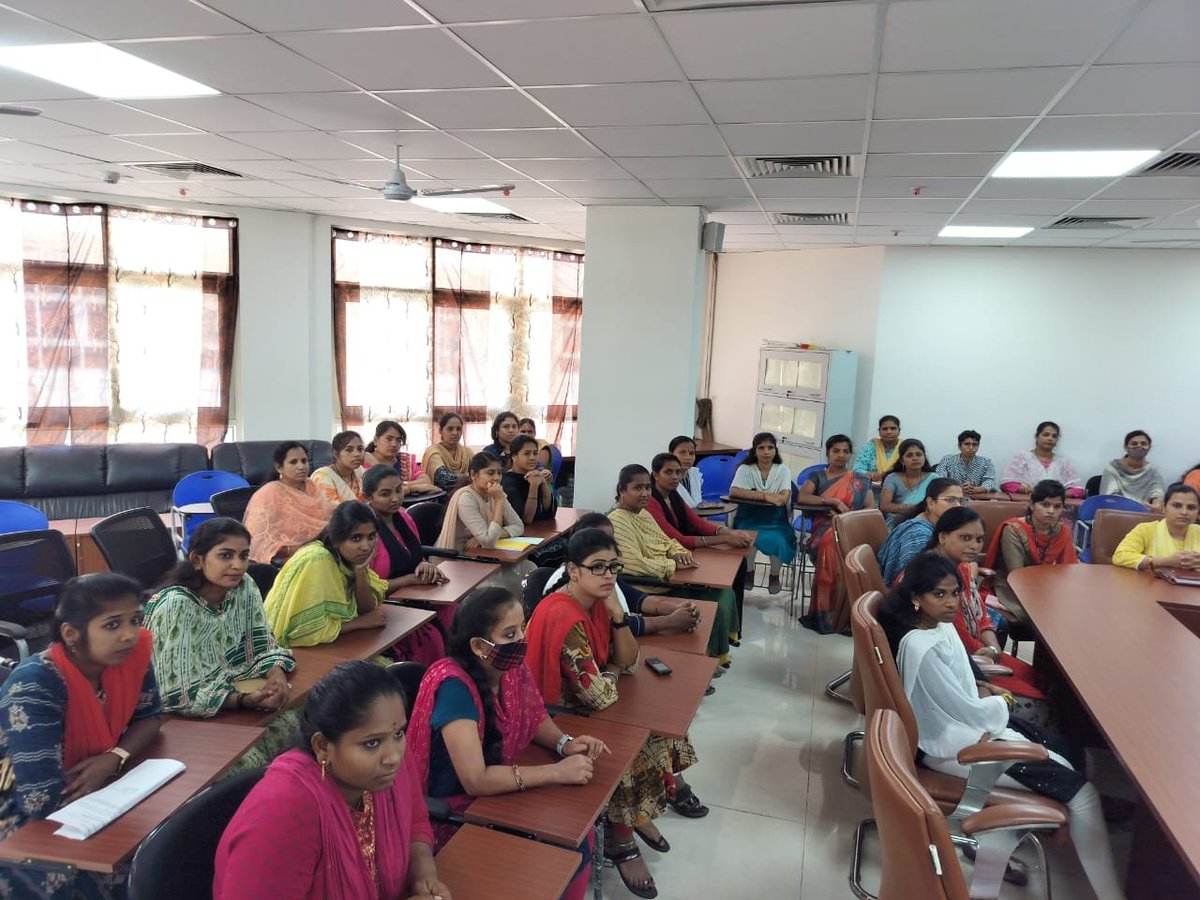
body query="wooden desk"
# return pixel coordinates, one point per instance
(663, 705)
(478, 864)
(414, 499)
(464, 577)
(206, 748)
(1135, 668)
(712, 448)
(687, 641)
(564, 814)
(716, 569)
(548, 529)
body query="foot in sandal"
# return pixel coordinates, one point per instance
(623, 851)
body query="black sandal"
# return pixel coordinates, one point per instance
(624, 853)
(686, 803)
(660, 844)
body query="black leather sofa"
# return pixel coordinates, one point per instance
(253, 459)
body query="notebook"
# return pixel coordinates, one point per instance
(87, 815)
(517, 543)
(1188, 577)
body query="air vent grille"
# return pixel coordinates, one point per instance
(797, 166)
(1098, 222)
(185, 170)
(1175, 164)
(497, 217)
(812, 218)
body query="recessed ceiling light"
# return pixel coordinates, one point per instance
(461, 205)
(101, 70)
(1072, 163)
(982, 231)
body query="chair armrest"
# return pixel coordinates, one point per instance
(438, 551)
(1014, 814)
(439, 811)
(12, 631)
(1002, 751)
(992, 670)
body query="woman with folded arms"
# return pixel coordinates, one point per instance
(342, 479)
(70, 718)
(505, 427)
(528, 427)
(446, 461)
(905, 486)
(691, 483)
(328, 586)
(340, 816)
(1041, 463)
(879, 455)
(1132, 476)
(764, 479)
(953, 710)
(1173, 542)
(478, 708)
(527, 484)
(210, 634)
(912, 533)
(288, 511)
(387, 449)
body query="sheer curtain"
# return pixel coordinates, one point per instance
(14, 361)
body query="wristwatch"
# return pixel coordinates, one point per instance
(624, 623)
(561, 746)
(122, 755)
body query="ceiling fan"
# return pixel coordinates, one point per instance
(12, 110)
(398, 188)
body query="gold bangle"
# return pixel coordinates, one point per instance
(518, 779)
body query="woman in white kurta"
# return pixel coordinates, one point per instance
(1029, 467)
(766, 483)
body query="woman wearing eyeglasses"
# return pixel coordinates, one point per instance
(915, 527)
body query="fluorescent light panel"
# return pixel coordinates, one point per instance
(101, 70)
(982, 231)
(462, 206)
(1072, 163)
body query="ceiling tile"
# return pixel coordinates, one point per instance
(903, 220)
(1188, 220)
(109, 117)
(1149, 187)
(16, 87)
(395, 60)
(933, 35)
(221, 114)
(1165, 31)
(487, 108)
(911, 205)
(413, 144)
(337, 111)
(629, 201)
(239, 65)
(115, 19)
(575, 51)
(1134, 89)
(804, 187)
(930, 187)
(678, 166)
(35, 127)
(1041, 188)
(792, 100)
(655, 103)
(107, 149)
(946, 135)
(773, 42)
(738, 218)
(1004, 220)
(943, 164)
(256, 188)
(20, 30)
(623, 189)
(813, 204)
(1153, 208)
(528, 142)
(795, 140)
(300, 145)
(203, 147)
(453, 11)
(281, 169)
(322, 188)
(308, 15)
(570, 169)
(658, 140)
(682, 188)
(1020, 207)
(478, 170)
(942, 95)
(1110, 132)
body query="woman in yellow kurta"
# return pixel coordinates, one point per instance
(1171, 542)
(327, 586)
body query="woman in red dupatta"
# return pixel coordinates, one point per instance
(842, 490)
(1039, 539)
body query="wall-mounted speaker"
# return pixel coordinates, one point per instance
(712, 238)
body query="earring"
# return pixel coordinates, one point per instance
(324, 766)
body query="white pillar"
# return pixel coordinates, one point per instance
(642, 314)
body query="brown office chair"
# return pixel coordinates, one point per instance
(861, 572)
(859, 526)
(995, 512)
(1110, 527)
(917, 851)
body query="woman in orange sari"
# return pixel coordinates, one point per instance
(842, 490)
(288, 512)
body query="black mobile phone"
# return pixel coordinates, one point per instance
(657, 666)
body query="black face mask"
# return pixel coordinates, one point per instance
(503, 657)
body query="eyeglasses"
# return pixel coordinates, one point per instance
(598, 569)
(954, 501)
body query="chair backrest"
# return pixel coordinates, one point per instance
(232, 503)
(882, 687)
(263, 575)
(534, 587)
(862, 571)
(1109, 528)
(860, 526)
(717, 472)
(17, 516)
(555, 461)
(912, 827)
(428, 516)
(178, 859)
(137, 543)
(33, 568)
(805, 473)
(1092, 505)
(1092, 487)
(995, 512)
(409, 673)
(200, 486)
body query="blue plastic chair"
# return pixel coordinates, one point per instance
(555, 462)
(1087, 512)
(199, 488)
(717, 472)
(17, 516)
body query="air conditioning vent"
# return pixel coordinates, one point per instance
(185, 170)
(811, 218)
(496, 217)
(1098, 222)
(797, 166)
(675, 5)
(1175, 164)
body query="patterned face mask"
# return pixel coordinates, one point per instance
(503, 657)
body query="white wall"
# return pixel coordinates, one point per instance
(824, 297)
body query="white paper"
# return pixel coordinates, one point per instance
(87, 815)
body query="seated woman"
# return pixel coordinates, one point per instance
(909, 537)
(691, 483)
(958, 536)
(286, 512)
(1131, 476)
(528, 427)
(879, 455)
(975, 473)
(841, 490)
(446, 461)
(478, 708)
(210, 636)
(763, 478)
(647, 550)
(387, 449)
(398, 560)
(579, 644)
(1173, 542)
(527, 484)
(953, 709)
(1041, 463)
(479, 514)
(905, 486)
(1039, 539)
(505, 427)
(341, 480)
(328, 586)
(70, 718)
(339, 816)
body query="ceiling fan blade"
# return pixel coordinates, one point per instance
(482, 189)
(12, 110)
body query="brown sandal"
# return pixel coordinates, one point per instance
(624, 853)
